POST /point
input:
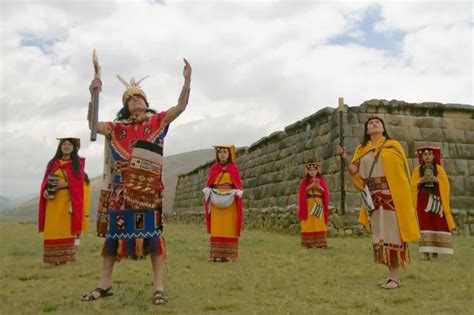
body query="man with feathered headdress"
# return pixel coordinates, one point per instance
(130, 205)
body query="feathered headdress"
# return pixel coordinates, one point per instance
(132, 88)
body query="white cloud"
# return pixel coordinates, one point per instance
(257, 67)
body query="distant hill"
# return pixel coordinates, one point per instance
(4, 203)
(173, 165)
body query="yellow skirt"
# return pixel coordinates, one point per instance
(224, 240)
(313, 229)
(58, 240)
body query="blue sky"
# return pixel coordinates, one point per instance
(364, 33)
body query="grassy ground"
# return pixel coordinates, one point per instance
(273, 275)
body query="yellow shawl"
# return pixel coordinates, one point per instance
(443, 190)
(397, 172)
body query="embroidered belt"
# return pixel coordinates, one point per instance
(377, 183)
(308, 196)
(383, 201)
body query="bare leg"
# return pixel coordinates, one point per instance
(159, 296)
(157, 264)
(103, 289)
(107, 269)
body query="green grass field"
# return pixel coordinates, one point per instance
(273, 275)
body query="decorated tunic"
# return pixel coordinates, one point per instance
(133, 187)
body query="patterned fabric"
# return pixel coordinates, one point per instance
(143, 184)
(103, 213)
(388, 247)
(134, 208)
(391, 255)
(136, 248)
(59, 251)
(314, 239)
(377, 183)
(224, 247)
(436, 242)
(435, 234)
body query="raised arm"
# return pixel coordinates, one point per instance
(175, 111)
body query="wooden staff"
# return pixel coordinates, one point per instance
(341, 143)
(93, 114)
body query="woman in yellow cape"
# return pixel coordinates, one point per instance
(380, 166)
(430, 188)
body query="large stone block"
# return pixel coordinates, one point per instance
(470, 167)
(462, 202)
(469, 186)
(454, 135)
(427, 122)
(394, 120)
(399, 132)
(358, 131)
(461, 150)
(351, 118)
(457, 185)
(430, 134)
(469, 136)
(415, 133)
(334, 165)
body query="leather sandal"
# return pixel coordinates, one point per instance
(97, 293)
(159, 297)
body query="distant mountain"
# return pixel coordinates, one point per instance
(4, 203)
(25, 208)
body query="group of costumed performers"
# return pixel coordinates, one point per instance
(396, 205)
(313, 201)
(64, 203)
(130, 215)
(223, 204)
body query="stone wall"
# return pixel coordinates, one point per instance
(272, 167)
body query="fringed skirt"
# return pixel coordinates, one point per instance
(435, 234)
(134, 233)
(136, 248)
(313, 229)
(388, 247)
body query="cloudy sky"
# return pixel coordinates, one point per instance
(257, 67)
